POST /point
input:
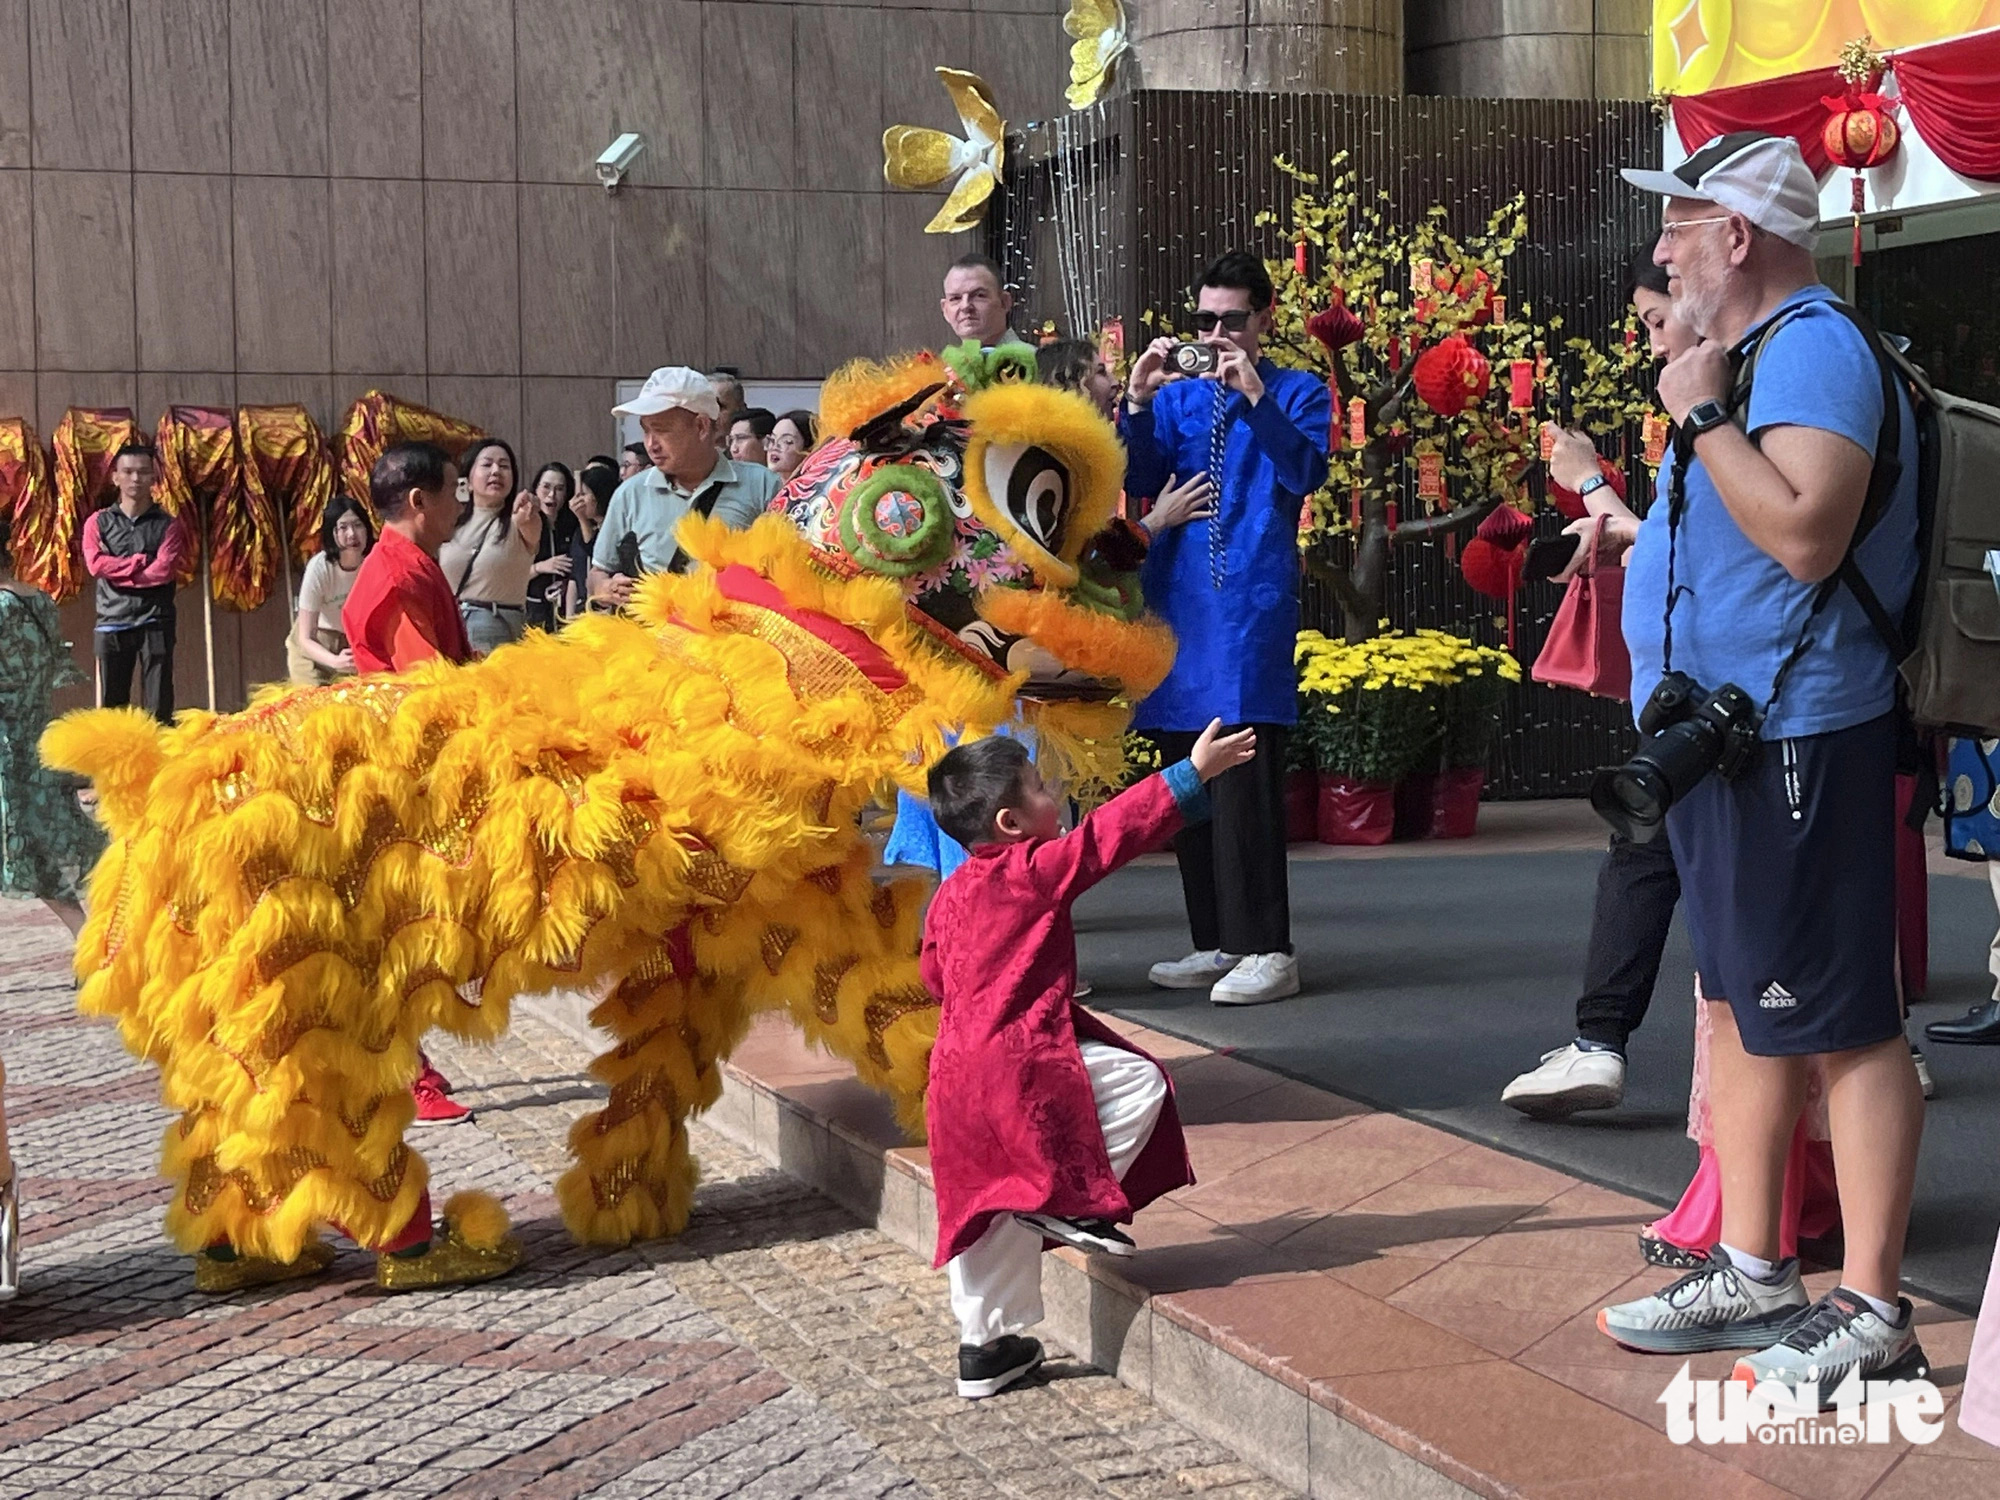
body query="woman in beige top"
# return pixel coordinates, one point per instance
(316, 652)
(490, 557)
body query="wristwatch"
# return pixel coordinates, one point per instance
(1704, 415)
(1591, 485)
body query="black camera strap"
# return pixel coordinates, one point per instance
(1882, 479)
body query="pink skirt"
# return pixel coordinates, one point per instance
(1811, 1210)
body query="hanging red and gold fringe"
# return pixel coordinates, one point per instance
(200, 474)
(41, 531)
(287, 477)
(86, 441)
(283, 449)
(376, 423)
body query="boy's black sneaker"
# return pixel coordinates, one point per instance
(1084, 1234)
(987, 1370)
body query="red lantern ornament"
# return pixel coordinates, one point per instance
(1520, 384)
(1357, 423)
(1860, 130)
(1430, 475)
(1452, 375)
(1653, 433)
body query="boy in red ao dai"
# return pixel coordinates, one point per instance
(1044, 1122)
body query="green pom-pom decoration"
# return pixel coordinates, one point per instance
(924, 543)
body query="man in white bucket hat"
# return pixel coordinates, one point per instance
(679, 416)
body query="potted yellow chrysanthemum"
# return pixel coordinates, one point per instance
(1413, 709)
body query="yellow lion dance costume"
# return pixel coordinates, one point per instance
(662, 809)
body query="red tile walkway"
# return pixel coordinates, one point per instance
(1435, 1293)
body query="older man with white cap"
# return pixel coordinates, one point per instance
(1790, 511)
(679, 416)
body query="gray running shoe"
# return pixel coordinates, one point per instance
(1714, 1306)
(1840, 1334)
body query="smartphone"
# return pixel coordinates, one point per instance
(1549, 556)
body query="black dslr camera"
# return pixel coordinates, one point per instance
(1689, 732)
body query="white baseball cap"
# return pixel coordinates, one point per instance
(671, 386)
(1762, 177)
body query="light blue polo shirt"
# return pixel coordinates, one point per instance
(651, 506)
(1740, 613)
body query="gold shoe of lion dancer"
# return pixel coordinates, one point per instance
(214, 1274)
(471, 1244)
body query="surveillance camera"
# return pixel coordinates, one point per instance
(618, 158)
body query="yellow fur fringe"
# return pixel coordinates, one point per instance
(478, 1217)
(664, 808)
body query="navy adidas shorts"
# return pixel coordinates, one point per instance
(1788, 878)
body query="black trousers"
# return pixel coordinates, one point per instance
(151, 649)
(1637, 891)
(1233, 873)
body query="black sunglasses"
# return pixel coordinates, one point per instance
(1233, 322)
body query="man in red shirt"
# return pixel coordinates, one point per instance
(401, 611)
(133, 549)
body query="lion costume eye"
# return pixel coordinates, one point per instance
(1032, 486)
(1042, 470)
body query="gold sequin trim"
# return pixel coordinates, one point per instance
(883, 905)
(815, 670)
(827, 878)
(775, 944)
(633, 1097)
(282, 1172)
(886, 1009)
(826, 987)
(710, 875)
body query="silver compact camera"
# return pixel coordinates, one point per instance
(1195, 358)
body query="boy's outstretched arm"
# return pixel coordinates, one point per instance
(1139, 819)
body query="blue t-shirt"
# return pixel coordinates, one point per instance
(1740, 613)
(1229, 587)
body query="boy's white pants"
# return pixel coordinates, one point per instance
(996, 1283)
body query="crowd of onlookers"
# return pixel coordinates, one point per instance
(534, 550)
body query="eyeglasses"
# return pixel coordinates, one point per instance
(1232, 322)
(1673, 227)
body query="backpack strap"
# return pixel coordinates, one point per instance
(1883, 477)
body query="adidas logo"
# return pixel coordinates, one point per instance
(1777, 997)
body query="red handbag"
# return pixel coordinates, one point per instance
(1586, 643)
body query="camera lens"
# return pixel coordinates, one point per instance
(1633, 799)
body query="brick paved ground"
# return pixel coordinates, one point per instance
(777, 1349)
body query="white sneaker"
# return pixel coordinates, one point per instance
(1714, 1306)
(1256, 979)
(1195, 972)
(1569, 1079)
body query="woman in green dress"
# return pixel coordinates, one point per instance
(47, 842)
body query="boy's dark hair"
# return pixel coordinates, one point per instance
(137, 448)
(1644, 275)
(600, 461)
(406, 467)
(761, 419)
(638, 451)
(973, 783)
(1243, 271)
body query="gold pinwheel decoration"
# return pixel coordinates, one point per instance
(1099, 29)
(915, 156)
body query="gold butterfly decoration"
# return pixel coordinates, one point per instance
(915, 156)
(1099, 29)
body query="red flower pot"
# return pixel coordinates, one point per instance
(1301, 806)
(1355, 812)
(1455, 802)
